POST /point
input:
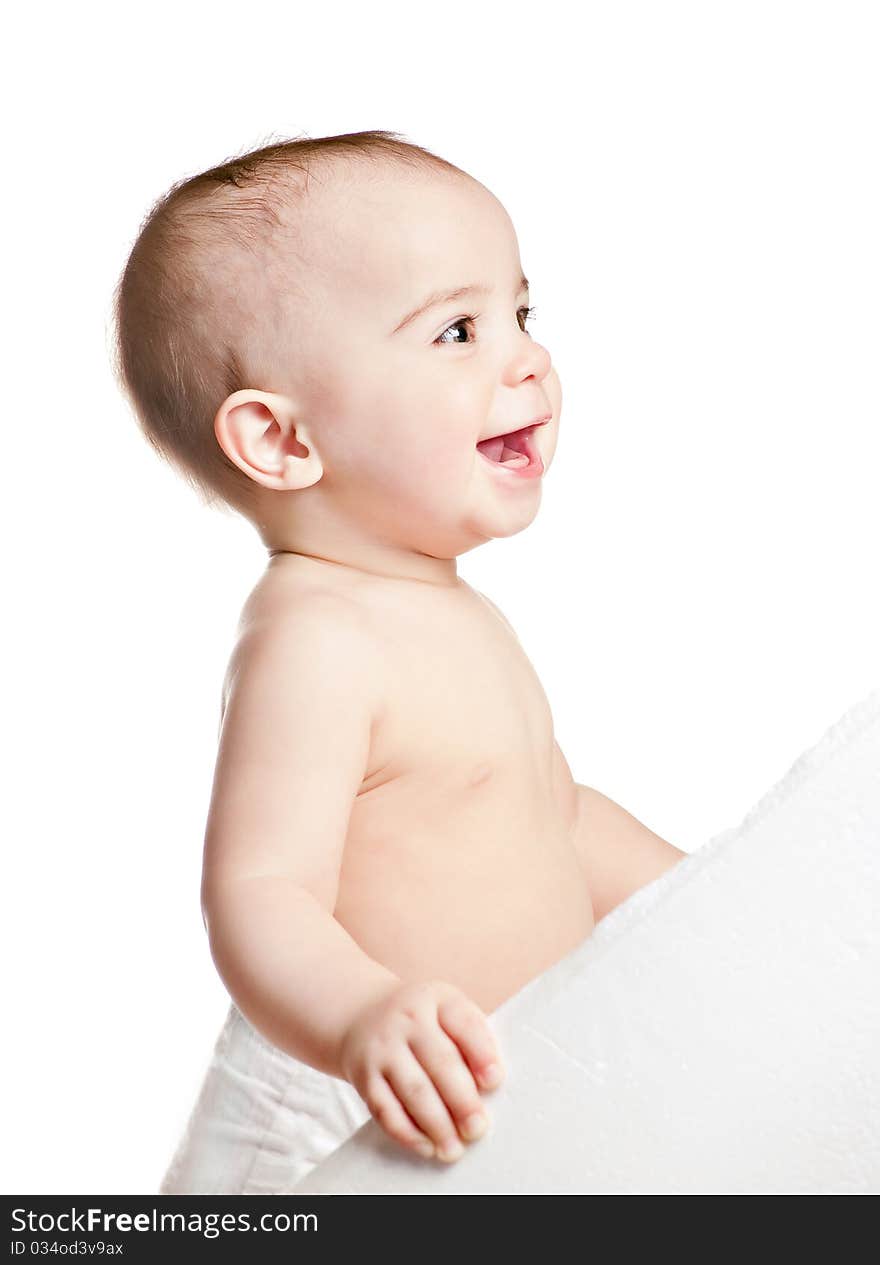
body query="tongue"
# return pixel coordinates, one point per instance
(510, 457)
(505, 450)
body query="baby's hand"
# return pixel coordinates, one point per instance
(423, 1049)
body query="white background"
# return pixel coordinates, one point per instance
(695, 190)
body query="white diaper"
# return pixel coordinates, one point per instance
(262, 1119)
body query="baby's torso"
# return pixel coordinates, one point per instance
(459, 861)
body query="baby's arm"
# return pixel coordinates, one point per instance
(304, 690)
(618, 852)
(291, 968)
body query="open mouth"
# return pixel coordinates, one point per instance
(514, 451)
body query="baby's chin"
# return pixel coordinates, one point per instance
(496, 515)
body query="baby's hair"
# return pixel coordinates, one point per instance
(195, 307)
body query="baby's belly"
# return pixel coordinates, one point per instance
(480, 886)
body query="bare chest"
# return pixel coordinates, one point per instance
(459, 861)
(465, 711)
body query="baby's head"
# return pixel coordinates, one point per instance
(274, 341)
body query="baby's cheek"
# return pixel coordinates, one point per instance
(547, 437)
(553, 387)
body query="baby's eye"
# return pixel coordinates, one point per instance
(527, 313)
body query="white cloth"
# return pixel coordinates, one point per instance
(718, 1032)
(262, 1120)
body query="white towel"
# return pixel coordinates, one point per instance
(719, 1031)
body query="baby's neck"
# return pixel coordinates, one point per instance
(383, 564)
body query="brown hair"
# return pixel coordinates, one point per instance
(187, 331)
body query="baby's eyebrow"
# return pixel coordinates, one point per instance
(448, 296)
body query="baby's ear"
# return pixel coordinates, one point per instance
(260, 433)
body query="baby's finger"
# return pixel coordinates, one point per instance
(443, 1061)
(466, 1024)
(417, 1093)
(388, 1111)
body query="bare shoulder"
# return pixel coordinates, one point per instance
(296, 739)
(313, 629)
(498, 612)
(618, 852)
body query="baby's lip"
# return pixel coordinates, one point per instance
(539, 421)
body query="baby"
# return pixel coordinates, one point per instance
(330, 337)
